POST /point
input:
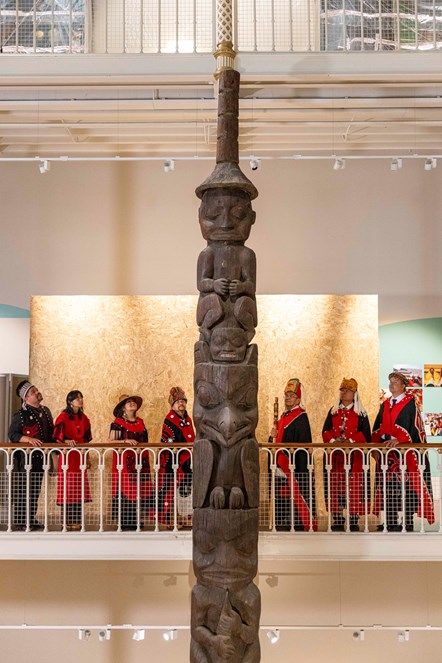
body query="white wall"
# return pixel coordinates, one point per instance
(107, 228)
(14, 345)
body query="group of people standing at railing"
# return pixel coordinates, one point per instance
(398, 422)
(33, 424)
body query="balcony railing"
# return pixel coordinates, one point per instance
(303, 488)
(187, 26)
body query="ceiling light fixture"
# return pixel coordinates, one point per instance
(430, 163)
(273, 635)
(44, 166)
(171, 634)
(339, 164)
(396, 164)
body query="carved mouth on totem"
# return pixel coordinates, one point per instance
(241, 432)
(221, 576)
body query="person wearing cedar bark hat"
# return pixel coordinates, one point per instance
(399, 422)
(346, 420)
(128, 427)
(292, 426)
(177, 428)
(34, 425)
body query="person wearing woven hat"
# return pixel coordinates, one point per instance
(293, 426)
(32, 424)
(177, 428)
(72, 428)
(128, 427)
(346, 420)
(399, 422)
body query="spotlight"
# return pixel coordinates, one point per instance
(339, 164)
(430, 163)
(169, 166)
(139, 634)
(84, 634)
(44, 166)
(359, 636)
(273, 635)
(254, 163)
(171, 634)
(396, 164)
(403, 636)
(104, 635)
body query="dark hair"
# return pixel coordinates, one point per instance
(72, 395)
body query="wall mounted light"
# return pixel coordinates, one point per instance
(359, 636)
(139, 634)
(104, 635)
(403, 636)
(171, 634)
(273, 635)
(169, 166)
(84, 634)
(254, 163)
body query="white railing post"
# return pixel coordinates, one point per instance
(328, 467)
(347, 468)
(9, 468)
(100, 467)
(46, 467)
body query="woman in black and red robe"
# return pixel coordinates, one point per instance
(72, 428)
(347, 421)
(127, 426)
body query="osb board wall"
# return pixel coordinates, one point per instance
(106, 346)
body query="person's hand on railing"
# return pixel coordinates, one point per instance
(274, 432)
(392, 443)
(33, 441)
(70, 443)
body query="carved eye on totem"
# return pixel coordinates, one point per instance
(207, 395)
(204, 543)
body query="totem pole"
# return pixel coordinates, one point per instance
(225, 601)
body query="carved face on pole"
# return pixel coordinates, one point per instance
(226, 215)
(223, 554)
(225, 408)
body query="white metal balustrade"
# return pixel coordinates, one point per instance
(309, 489)
(187, 26)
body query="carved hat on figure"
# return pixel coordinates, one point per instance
(227, 173)
(124, 398)
(177, 394)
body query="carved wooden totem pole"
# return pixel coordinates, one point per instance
(225, 601)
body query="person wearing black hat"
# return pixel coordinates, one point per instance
(32, 424)
(177, 428)
(127, 426)
(399, 422)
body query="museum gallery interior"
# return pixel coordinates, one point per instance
(115, 132)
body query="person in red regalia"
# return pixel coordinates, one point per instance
(177, 428)
(293, 426)
(127, 426)
(72, 427)
(346, 420)
(399, 422)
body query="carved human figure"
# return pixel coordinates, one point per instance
(225, 604)
(226, 273)
(226, 455)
